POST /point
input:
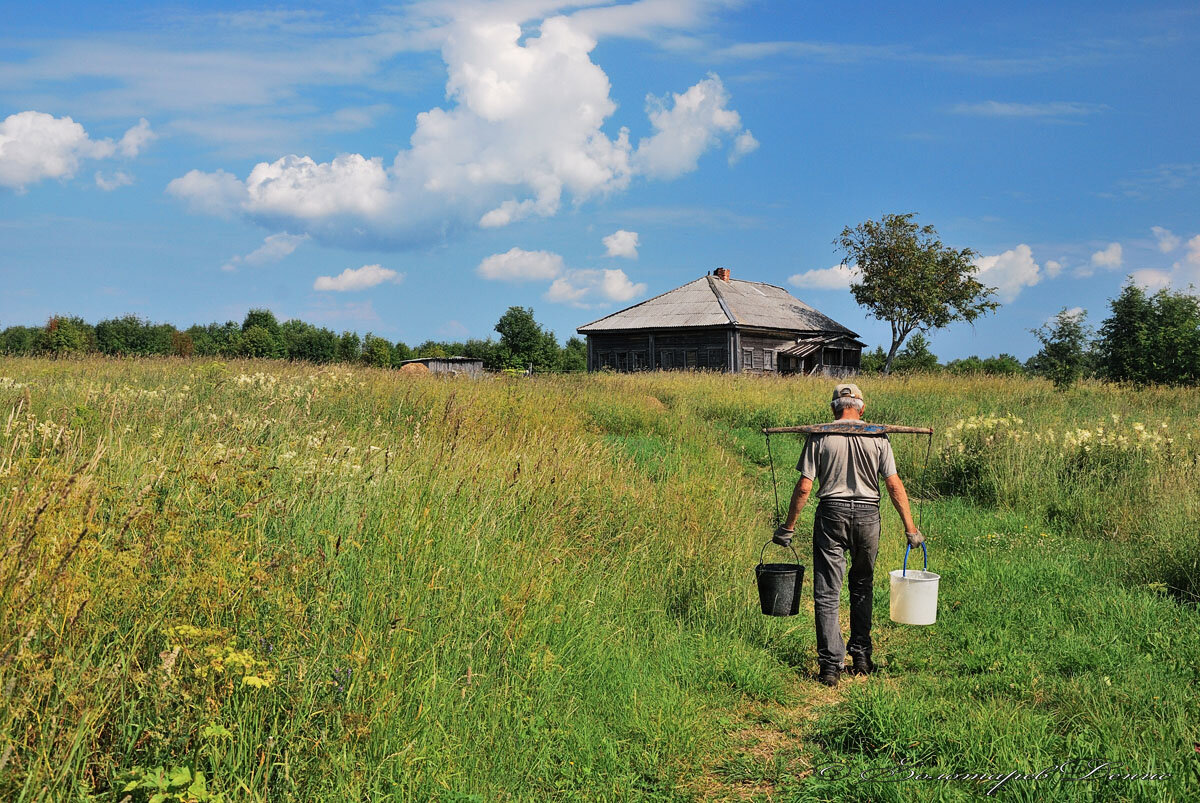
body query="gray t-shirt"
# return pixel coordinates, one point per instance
(847, 466)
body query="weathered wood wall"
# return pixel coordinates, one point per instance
(711, 350)
(701, 349)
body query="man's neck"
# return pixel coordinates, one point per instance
(849, 415)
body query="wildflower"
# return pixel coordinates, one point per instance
(255, 681)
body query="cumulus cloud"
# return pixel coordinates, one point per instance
(522, 132)
(622, 243)
(1053, 268)
(218, 193)
(1184, 275)
(274, 248)
(839, 277)
(136, 139)
(1076, 312)
(744, 143)
(1009, 272)
(1109, 258)
(588, 288)
(35, 146)
(358, 279)
(691, 124)
(519, 265)
(109, 183)
(1167, 242)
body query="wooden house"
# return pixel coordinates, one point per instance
(718, 323)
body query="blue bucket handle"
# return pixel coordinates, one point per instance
(924, 551)
(763, 551)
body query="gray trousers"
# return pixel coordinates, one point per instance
(840, 528)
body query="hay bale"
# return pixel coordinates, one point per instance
(414, 368)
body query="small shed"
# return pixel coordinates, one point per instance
(452, 366)
(719, 323)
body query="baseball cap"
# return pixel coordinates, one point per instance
(840, 391)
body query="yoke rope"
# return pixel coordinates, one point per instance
(774, 485)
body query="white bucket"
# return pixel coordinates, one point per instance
(914, 595)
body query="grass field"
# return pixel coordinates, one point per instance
(261, 581)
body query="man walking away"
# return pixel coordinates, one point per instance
(846, 469)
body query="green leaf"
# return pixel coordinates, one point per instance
(198, 789)
(180, 776)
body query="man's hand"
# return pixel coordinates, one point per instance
(915, 539)
(783, 536)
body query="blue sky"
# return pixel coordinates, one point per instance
(414, 170)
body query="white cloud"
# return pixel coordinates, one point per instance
(298, 188)
(1009, 272)
(274, 248)
(35, 146)
(522, 131)
(218, 193)
(993, 108)
(1073, 312)
(1109, 258)
(839, 277)
(519, 265)
(109, 183)
(744, 143)
(136, 138)
(358, 279)
(587, 288)
(1151, 278)
(1167, 242)
(692, 124)
(1053, 268)
(1183, 276)
(622, 243)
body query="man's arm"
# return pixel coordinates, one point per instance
(783, 534)
(799, 500)
(895, 488)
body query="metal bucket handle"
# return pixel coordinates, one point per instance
(924, 552)
(763, 551)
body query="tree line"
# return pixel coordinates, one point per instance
(1147, 339)
(523, 344)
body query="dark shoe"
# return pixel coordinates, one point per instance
(862, 665)
(829, 675)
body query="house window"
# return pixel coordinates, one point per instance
(747, 359)
(758, 359)
(770, 359)
(693, 356)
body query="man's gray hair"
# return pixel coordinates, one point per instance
(843, 402)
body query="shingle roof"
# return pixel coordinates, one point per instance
(709, 301)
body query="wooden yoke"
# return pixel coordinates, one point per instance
(851, 428)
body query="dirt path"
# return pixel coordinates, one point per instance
(768, 744)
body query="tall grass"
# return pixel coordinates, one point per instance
(330, 584)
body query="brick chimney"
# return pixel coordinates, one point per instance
(722, 274)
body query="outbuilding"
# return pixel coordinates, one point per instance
(719, 323)
(454, 366)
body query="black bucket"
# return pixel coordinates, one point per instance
(779, 585)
